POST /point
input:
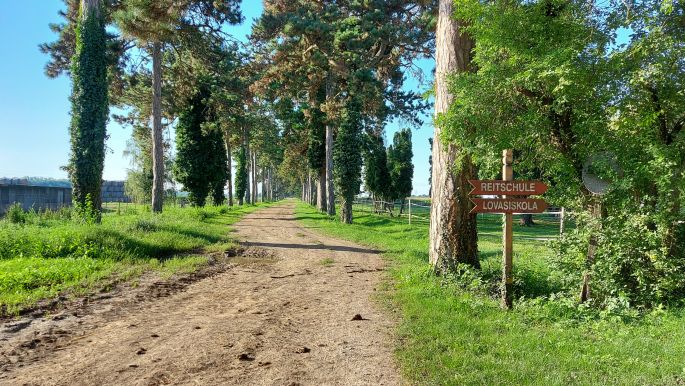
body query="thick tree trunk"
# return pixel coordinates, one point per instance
(157, 140)
(330, 190)
(90, 108)
(453, 234)
(346, 211)
(321, 200)
(527, 220)
(229, 164)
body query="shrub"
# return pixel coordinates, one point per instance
(16, 214)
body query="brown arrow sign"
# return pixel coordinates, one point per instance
(510, 188)
(508, 205)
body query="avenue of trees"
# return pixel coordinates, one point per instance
(302, 109)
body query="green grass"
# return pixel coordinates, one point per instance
(50, 254)
(453, 332)
(327, 262)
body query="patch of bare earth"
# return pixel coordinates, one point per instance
(295, 309)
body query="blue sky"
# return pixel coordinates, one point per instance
(34, 110)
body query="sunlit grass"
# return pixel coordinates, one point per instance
(48, 255)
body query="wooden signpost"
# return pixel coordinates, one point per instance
(508, 204)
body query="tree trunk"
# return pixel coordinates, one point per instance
(527, 220)
(90, 109)
(330, 190)
(229, 164)
(453, 233)
(271, 184)
(346, 211)
(248, 160)
(254, 178)
(321, 201)
(157, 140)
(312, 191)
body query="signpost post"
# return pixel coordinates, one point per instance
(508, 203)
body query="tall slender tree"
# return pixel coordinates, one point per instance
(400, 165)
(453, 234)
(90, 105)
(155, 23)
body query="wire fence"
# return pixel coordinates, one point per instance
(417, 211)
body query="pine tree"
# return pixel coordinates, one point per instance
(157, 22)
(90, 105)
(453, 233)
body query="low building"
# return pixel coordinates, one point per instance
(33, 195)
(42, 194)
(114, 191)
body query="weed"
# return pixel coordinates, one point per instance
(327, 262)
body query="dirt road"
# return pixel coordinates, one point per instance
(283, 315)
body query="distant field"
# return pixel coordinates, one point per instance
(50, 253)
(453, 332)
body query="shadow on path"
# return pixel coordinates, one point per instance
(339, 248)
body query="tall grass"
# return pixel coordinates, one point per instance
(48, 252)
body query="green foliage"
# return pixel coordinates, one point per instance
(15, 214)
(400, 165)
(200, 158)
(347, 158)
(90, 106)
(241, 179)
(86, 213)
(553, 84)
(376, 175)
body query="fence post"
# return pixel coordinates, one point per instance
(409, 210)
(561, 222)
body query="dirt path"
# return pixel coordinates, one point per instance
(281, 317)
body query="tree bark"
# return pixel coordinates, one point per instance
(453, 233)
(321, 200)
(346, 211)
(229, 164)
(157, 140)
(271, 184)
(254, 178)
(248, 160)
(263, 190)
(330, 190)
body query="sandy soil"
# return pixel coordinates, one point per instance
(281, 314)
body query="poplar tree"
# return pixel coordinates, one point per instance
(90, 106)
(347, 157)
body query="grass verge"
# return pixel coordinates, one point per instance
(452, 332)
(49, 254)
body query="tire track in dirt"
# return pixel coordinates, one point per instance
(279, 317)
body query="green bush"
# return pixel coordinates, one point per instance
(16, 214)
